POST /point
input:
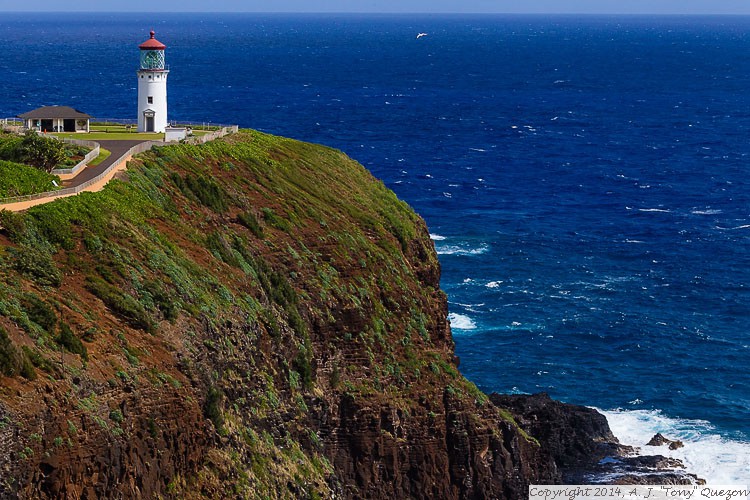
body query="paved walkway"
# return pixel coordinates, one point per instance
(118, 148)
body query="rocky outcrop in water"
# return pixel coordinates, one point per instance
(582, 445)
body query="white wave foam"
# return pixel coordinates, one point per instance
(706, 212)
(493, 284)
(436, 237)
(461, 250)
(470, 307)
(716, 459)
(662, 210)
(461, 322)
(744, 226)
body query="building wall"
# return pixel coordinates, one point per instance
(57, 124)
(152, 84)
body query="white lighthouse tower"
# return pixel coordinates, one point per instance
(152, 87)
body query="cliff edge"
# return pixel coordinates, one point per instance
(255, 317)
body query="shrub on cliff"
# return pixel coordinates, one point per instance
(212, 407)
(9, 144)
(37, 264)
(41, 152)
(12, 361)
(39, 311)
(121, 303)
(204, 190)
(68, 341)
(17, 179)
(249, 220)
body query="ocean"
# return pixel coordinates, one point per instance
(584, 179)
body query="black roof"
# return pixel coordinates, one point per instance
(50, 112)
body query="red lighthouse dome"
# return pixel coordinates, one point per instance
(152, 43)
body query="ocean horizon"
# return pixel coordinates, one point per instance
(584, 178)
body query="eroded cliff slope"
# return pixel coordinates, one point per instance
(255, 317)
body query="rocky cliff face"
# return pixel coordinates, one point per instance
(251, 318)
(255, 317)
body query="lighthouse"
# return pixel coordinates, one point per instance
(152, 87)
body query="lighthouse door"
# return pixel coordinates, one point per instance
(149, 124)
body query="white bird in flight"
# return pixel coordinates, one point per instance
(420, 35)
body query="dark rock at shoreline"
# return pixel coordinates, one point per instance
(650, 469)
(660, 440)
(575, 436)
(584, 448)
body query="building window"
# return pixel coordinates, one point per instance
(150, 99)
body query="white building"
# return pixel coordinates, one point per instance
(56, 119)
(152, 87)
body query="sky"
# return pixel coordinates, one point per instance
(396, 6)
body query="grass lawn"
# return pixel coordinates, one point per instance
(103, 155)
(119, 133)
(113, 136)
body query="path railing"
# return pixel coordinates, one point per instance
(11, 124)
(91, 156)
(202, 139)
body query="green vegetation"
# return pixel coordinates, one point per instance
(113, 136)
(121, 303)
(112, 132)
(32, 149)
(116, 132)
(26, 162)
(249, 220)
(253, 279)
(68, 341)
(103, 155)
(202, 189)
(17, 179)
(73, 154)
(37, 264)
(109, 127)
(12, 361)
(116, 416)
(39, 311)
(212, 408)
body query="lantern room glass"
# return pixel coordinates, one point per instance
(152, 59)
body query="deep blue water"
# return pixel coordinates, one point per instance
(585, 178)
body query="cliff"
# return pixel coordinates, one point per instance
(255, 317)
(251, 318)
